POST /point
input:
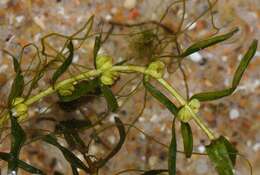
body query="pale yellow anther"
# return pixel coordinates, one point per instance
(66, 89)
(184, 113)
(195, 105)
(105, 63)
(19, 110)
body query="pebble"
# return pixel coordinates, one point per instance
(257, 53)
(250, 86)
(201, 166)
(240, 56)
(201, 148)
(75, 58)
(39, 20)
(152, 161)
(256, 147)
(112, 139)
(19, 19)
(4, 2)
(196, 57)
(154, 118)
(129, 4)
(108, 17)
(112, 117)
(93, 149)
(224, 58)
(141, 119)
(233, 113)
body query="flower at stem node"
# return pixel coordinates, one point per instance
(155, 69)
(19, 108)
(184, 113)
(66, 90)
(105, 63)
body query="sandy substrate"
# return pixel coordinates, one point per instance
(237, 116)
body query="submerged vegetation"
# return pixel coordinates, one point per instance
(155, 48)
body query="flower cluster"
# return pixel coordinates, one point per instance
(20, 109)
(155, 69)
(184, 113)
(66, 90)
(104, 63)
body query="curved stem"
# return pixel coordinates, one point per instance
(124, 69)
(196, 118)
(173, 91)
(50, 90)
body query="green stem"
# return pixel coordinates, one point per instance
(183, 102)
(201, 124)
(126, 69)
(173, 91)
(50, 90)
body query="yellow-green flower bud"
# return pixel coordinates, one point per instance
(195, 105)
(108, 77)
(184, 113)
(156, 69)
(106, 80)
(19, 110)
(66, 90)
(104, 62)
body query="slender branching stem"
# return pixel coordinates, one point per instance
(75, 79)
(123, 69)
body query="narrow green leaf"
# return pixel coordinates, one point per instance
(232, 151)
(87, 26)
(154, 172)
(214, 95)
(110, 98)
(78, 142)
(83, 88)
(5, 156)
(21, 164)
(18, 83)
(108, 34)
(18, 138)
(116, 149)
(187, 138)
(16, 64)
(69, 156)
(244, 63)
(65, 64)
(29, 168)
(208, 42)
(75, 124)
(172, 152)
(161, 98)
(16, 89)
(69, 139)
(219, 156)
(38, 75)
(69, 130)
(74, 171)
(97, 46)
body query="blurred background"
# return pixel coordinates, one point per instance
(237, 116)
